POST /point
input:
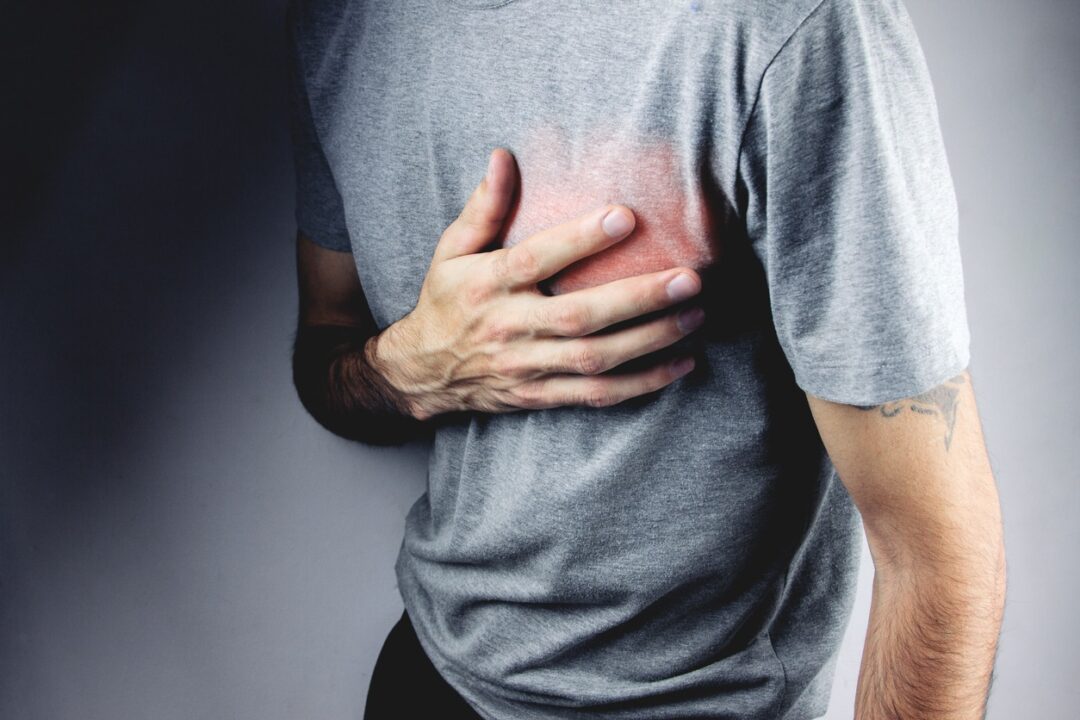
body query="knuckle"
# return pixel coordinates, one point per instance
(497, 269)
(657, 298)
(463, 223)
(499, 331)
(474, 214)
(650, 295)
(589, 227)
(500, 266)
(586, 360)
(567, 320)
(476, 293)
(539, 318)
(523, 263)
(639, 296)
(526, 395)
(506, 365)
(666, 331)
(597, 395)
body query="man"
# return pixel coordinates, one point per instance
(605, 535)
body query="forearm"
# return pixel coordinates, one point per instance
(932, 636)
(336, 375)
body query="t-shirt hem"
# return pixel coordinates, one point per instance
(329, 240)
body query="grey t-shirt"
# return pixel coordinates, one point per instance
(690, 553)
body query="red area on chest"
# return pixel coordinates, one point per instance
(674, 225)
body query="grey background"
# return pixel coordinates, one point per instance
(179, 540)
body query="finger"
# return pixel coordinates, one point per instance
(480, 220)
(601, 390)
(599, 353)
(544, 253)
(583, 312)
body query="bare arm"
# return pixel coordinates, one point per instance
(919, 474)
(333, 369)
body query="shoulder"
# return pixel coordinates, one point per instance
(825, 21)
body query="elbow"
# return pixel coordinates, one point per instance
(311, 381)
(952, 523)
(311, 377)
(958, 555)
(311, 386)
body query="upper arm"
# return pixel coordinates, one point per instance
(330, 292)
(849, 205)
(329, 287)
(918, 471)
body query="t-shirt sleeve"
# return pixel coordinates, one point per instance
(320, 214)
(850, 207)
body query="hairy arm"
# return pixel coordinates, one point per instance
(338, 370)
(919, 473)
(334, 372)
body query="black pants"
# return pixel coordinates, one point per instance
(404, 683)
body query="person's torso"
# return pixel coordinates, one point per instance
(656, 558)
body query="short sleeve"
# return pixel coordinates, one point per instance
(849, 205)
(320, 214)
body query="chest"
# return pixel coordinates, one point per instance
(591, 113)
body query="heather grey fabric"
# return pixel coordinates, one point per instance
(690, 553)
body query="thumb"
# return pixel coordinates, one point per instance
(482, 218)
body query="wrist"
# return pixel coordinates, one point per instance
(382, 354)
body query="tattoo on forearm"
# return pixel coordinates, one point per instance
(941, 401)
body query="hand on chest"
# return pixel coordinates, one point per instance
(676, 223)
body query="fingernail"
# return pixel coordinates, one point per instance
(681, 287)
(682, 365)
(617, 222)
(690, 319)
(490, 166)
